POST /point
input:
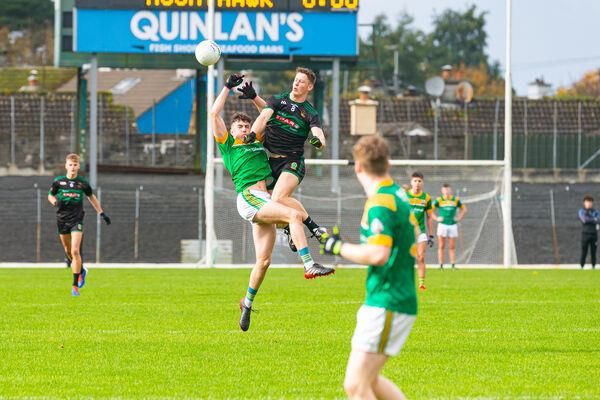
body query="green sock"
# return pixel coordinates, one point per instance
(250, 293)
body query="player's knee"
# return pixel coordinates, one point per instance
(353, 387)
(295, 216)
(263, 263)
(75, 253)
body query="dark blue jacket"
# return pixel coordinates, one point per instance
(589, 218)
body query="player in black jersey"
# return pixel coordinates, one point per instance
(67, 193)
(286, 121)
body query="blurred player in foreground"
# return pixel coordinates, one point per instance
(285, 122)
(447, 206)
(67, 193)
(420, 203)
(387, 233)
(590, 218)
(246, 159)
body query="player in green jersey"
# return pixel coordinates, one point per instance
(387, 237)
(420, 203)
(285, 122)
(246, 159)
(447, 206)
(66, 194)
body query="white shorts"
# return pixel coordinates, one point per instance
(381, 331)
(450, 231)
(250, 201)
(422, 238)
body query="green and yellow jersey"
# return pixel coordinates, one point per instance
(247, 163)
(447, 207)
(420, 205)
(388, 221)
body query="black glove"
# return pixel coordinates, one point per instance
(331, 243)
(234, 80)
(430, 241)
(249, 138)
(105, 217)
(247, 91)
(316, 142)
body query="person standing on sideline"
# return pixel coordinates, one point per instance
(590, 218)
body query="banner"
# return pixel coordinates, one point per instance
(238, 33)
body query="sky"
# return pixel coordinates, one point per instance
(553, 39)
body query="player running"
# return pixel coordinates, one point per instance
(67, 193)
(285, 122)
(387, 233)
(421, 206)
(247, 161)
(447, 218)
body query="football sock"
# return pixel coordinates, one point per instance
(310, 224)
(441, 266)
(250, 293)
(421, 281)
(75, 279)
(453, 265)
(306, 257)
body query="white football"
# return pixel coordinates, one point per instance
(208, 52)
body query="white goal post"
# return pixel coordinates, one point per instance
(478, 183)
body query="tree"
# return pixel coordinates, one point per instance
(484, 85)
(587, 87)
(26, 14)
(459, 38)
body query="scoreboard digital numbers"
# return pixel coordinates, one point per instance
(223, 5)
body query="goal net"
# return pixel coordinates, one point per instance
(332, 196)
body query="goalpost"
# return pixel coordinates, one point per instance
(479, 185)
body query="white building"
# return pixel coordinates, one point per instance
(539, 89)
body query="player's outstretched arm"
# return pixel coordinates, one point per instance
(364, 254)
(218, 125)
(260, 123)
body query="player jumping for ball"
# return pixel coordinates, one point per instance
(421, 206)
(247, 161)
(387, 232)
(67, 193)
(448, 218)
(285, 122)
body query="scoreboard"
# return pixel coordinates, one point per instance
(242, 27)
(237, 5)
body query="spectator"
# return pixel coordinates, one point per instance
(590, 218)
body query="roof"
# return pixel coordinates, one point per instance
(149, 86)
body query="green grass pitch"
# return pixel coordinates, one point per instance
(497, 334)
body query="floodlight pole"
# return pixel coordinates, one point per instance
(210, 177)
(335, 123)
(507, 198)
(93, 153)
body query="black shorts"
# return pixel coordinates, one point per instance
(293, 165)
(66, 227)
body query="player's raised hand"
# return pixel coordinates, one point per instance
(316, 142)
(331, 243)
(106, 218)
(248, 91)
(234, 80)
